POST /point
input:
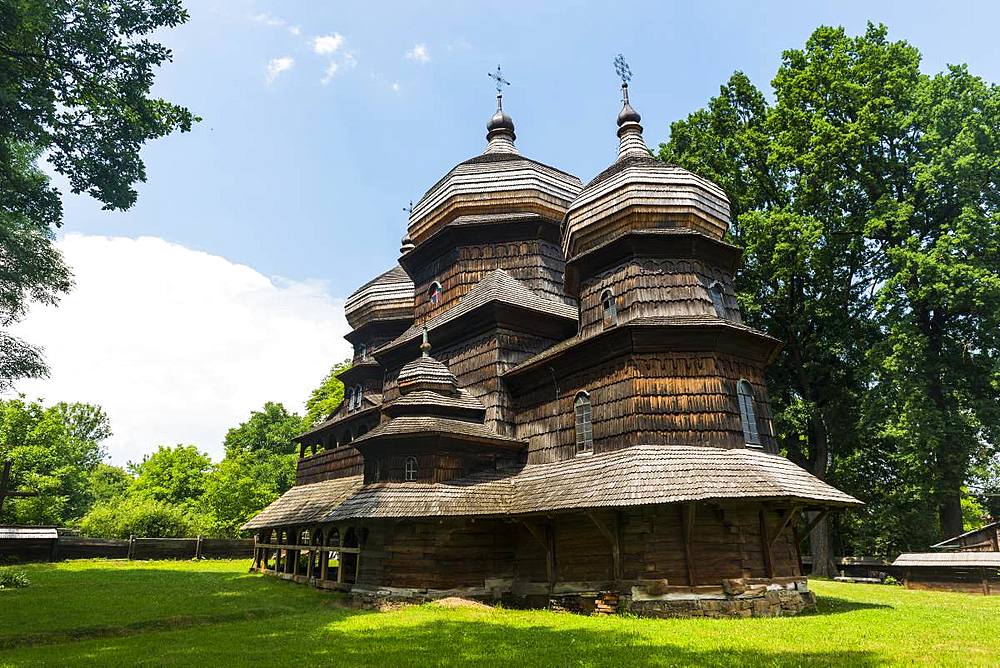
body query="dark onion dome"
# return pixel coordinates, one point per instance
(497, 182)
(639, 192)
(386, 297)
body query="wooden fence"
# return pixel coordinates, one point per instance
(69, 546)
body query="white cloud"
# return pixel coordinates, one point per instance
(179, 345)
(268, 20)
(395, 86)
(295, 30)
(276, 66)
(327, 44)
(331, 70)
(419, 53)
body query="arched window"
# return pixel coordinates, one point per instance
(715, 292)
(361, 350)
(584, 427)
(410, 469)
(349, 399)
(359, 394)
(377, 471)
(609, 308)
(748, 416)
(434, 293)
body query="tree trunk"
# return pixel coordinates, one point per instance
(950, 513)
(822, 550)
(820, 545)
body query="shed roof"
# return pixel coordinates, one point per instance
(304, 504)
(949, 559)
(954, 539)
(28, 533)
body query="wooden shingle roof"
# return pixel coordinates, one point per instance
(427, 425)
(304, 504)
(949, 559)
(498, 286)
(639, 475)
(388, 296)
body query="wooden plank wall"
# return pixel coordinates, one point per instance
(83, 547)
(726, 543)
(647, 287)
(437, 554)
(341, 462)
(663, 398)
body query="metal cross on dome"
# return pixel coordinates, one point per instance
(498, 78)
(622, 69)
(409, 209)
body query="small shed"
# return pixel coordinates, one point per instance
(27, 543)
(984, 539)
(973, 572)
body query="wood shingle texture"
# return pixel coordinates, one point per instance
(388, 296)
(640, 192)
(636, 476)
(499, 180)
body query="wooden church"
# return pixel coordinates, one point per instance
(554, 402)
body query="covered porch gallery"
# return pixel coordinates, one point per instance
(326, 556)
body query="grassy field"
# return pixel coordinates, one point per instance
(214, 613)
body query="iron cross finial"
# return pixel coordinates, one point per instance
(409, 209)
(498, 78)
(622, 69)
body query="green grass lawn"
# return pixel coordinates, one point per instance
(213, 613)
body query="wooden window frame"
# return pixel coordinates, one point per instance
(410, 469)
(609, 308)
(583, 422)
(434, 293)
(717, 296)
(748, 413)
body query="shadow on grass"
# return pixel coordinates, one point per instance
(833, 605)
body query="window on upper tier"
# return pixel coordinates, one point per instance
(377, 471)
(584, 427)
(748, 416)
(609, 308)
(410, 469)
(434, 293)
(715, 292)
(349, 399)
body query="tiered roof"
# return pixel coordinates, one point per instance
(388, 296)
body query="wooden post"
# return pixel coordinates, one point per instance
(687, 522)
(546, 538)
(611, 534)
(340, 556)
(324, 557)
(131, 547)
(54, 553)
(197, 548)
(765, 544)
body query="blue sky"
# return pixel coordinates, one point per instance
(308, 180)
(223, 287)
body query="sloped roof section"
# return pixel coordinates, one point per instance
(388, 296)
(949, 559)
(425, 425)
(306, 504)
(639, 475)
(651, 474)
(493, 182)
(497, 286)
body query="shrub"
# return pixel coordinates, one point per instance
(140, 517)
(13, 579)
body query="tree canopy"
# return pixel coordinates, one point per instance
(75, 82)
(866, 202)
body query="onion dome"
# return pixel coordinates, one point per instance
(500, 181)
(639, 192)
(387, 297)
(427, 374)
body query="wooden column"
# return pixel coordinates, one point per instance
(688, 511)
(324, 556)
(611, 534)
(340, 555)
(545, 537)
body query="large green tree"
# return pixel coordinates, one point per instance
(75, 80)
(175, 475)
(55, 450)
(866, 203)
(325, 398)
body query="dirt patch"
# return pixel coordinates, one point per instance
(457, 602)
